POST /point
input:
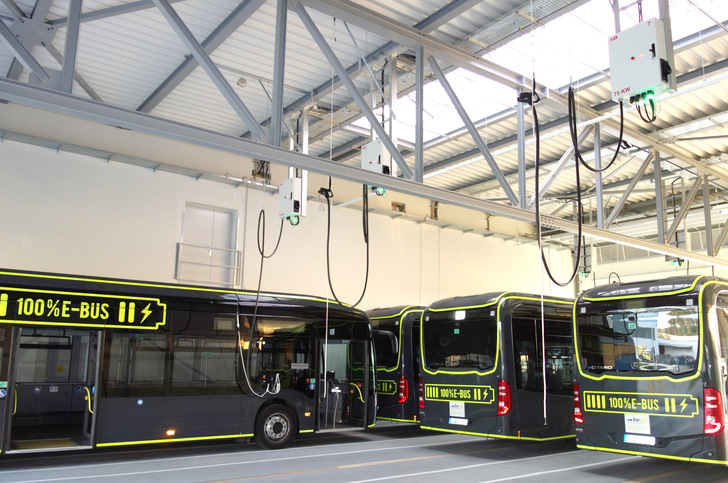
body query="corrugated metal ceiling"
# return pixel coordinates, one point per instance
(126, 55)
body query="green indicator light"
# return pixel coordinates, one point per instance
(294, 220)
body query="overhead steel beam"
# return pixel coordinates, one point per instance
(231, 23)
(69, 105)
(375, 23)
(437, 19)
(109, 12)
(558, 167)
(623, 200)
(473, 131)
(69, 51)
(206, 63)
(685, 208)
(351, 87)
(279, 63)
(22, 54)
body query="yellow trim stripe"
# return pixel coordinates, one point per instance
(306, 431)
(175, 440)
(643, 295)
(653, 455)
(499, 436)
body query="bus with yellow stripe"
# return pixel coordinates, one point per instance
(91, 362)
(652, 360)
(397, 341)
(498, 365)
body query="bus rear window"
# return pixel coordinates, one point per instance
(453, 344)
(660, 339)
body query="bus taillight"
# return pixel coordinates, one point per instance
(713, 411)
(577, 405)
(422, 395)
(403, 389)
(504, 397)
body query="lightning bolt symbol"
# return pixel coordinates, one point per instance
(683, 405)
(146, 312)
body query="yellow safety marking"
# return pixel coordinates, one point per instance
(174, 440)
(3, 304)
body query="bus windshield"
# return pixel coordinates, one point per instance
(662, 339)
(460, 343)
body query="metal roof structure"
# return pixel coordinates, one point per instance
(306, 83)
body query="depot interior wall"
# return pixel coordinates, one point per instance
(68, 213)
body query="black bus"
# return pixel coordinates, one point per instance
(89, 362)
(397, 341)
(498, 365)
(652, 361)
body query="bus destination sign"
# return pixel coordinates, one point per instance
(453, 392)
(674, 405)
(43, 307)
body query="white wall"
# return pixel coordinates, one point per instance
(62, 212)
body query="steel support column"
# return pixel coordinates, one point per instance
(659, 197)
(279, 58)
(69, 51)
(473, 131)
(341, 72)
(419, 110)
(598, 175)
(708, 220)
(521, 133)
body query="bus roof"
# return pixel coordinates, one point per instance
(477, 301)
(670, 285)
(386, 312)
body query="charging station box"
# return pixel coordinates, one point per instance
(374, 157)
(638, 60)
(290, 200)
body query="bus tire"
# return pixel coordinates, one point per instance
(275, 427)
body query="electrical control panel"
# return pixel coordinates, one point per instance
(290, 198)
(638, 61)
(375, 157)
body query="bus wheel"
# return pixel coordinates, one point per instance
(275, 427)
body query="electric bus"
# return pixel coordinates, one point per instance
(498, 365)
(91, 362)
(651, 372)
(397, 341)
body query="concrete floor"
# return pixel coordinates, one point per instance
(385, 453)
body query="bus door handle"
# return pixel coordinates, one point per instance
(88, 398)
